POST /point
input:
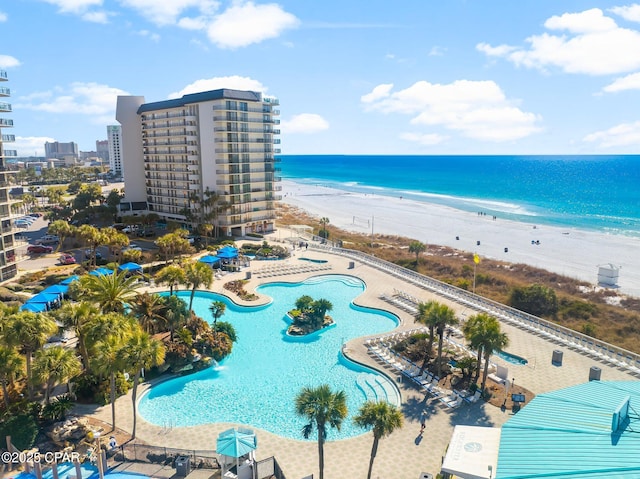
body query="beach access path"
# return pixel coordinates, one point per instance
(566, 251)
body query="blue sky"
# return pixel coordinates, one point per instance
(352, 76)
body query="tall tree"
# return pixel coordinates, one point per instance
(62, 229)
(108, 360)
(112, 292)
(175, 312)
(148, 309)
(11, 364)
(28, 331)
(493, 339)
(172, 275)
(473, 330)
(383, 418)
(425, 316)
(198, 274)
(141, 352)
(417, 247)
(53, 366)
(78, 316)
(217, 309)
(321, 407)
(444, 317)
(93, 238)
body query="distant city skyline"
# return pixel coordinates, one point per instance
(358, 77)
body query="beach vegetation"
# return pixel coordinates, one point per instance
(536, 299)
(484, 335)
(382, 418)
(323, 408)
(416, 247)
(197, 274)
(237, 287)
(323, 232)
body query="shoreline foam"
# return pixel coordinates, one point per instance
(568, 251)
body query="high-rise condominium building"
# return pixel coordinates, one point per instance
(177, 152)
(60, 151)
(8, 266)
(114, 138)
(102, 150)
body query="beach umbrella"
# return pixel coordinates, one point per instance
(43, 297)
(209, 259)
(34, 307)
(236, 443)
(69, 280)
(101, 272)
(130, 267)
(227, 252)
(57, 289)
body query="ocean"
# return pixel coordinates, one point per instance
(587, 192)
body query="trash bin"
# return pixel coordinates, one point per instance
(556, 359)
(478, 243)
(248, 275)
(594, 373)
(352, 264)
(506, 250)
(183, 466)
(425, 475)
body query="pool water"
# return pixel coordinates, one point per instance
(510, 358)
(65, 469)
(257, 384)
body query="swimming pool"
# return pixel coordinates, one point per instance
(510, 358)
(65, 469)
(256, 385)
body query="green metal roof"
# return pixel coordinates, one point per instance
(568, 434)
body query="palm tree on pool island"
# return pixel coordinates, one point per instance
(322, 407)
(383, 418)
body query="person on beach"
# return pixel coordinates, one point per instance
(423, 421)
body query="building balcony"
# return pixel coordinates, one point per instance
(3, 75)
(6, 123)
(8, 138)
(271, 101)
(5, 107)
(10, 153)
(4, 91)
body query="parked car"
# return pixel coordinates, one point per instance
(35, 215)
(48, 239)
(28, 219)
(130, 229)
(67, 258)
(39, 249)
(21, 224)
(87, 254)
(145, 233)
(132, 247)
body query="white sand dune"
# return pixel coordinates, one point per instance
(570, 252)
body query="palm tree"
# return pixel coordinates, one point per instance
(148, 308)
(473, 331)
(54, 366)
(320, 308)
(417, 247)
(383, 418)
(78, 316)
(324, 221)
(175, 313)
(93, 237)
(321, 406)
(111, 291)
(11, 365)
(172, 275)
(217, 309)
(425, 316)
(141, 352)
(28, 331)
(106, 325)
(109, 360)
(444, 316)
(198, 274)
(63, 230)
(493, 339)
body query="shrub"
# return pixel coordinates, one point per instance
(7, 296)
(22, 428)
(536, 299)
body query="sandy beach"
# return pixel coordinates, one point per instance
(570, 252)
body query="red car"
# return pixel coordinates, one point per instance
(39, 249)
(67, 259)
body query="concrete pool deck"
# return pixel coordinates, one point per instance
(404, 454)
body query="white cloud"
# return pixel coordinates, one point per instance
(436, 51)
(74, 6)
(168, 12)
(476, 109)
(245, 23)
(96, 17)
(234, 82)
(31, 145)
(629, 82)
(625, 134)
(91, 99)
(150, 35)
(427, 139)
(591, 43)
(7, 61)
(3, 17)
(379, 92)
(631, 12)
(305, 123)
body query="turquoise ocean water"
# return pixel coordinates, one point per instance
(588, 192)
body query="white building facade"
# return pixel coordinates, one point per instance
(114, 139)
(223, 141)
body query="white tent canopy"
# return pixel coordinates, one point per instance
(473, 452)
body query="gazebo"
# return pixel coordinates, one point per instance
(237, 446)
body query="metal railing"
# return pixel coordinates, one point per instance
(609, 353)
(163, 455)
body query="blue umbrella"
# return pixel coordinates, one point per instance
(69, 280)
(44, 297)
(209, 259)
(101, 272)
(227, 252)
(58, 289)
(234, 443)
(33, 307)
(130, 267)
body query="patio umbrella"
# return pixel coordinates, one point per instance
(236, 443)
(130, 267)
(43, 297)
(34, 307)
(101, 272)
(227, 252)
(69, 280)
(61, 290)
(209, 259)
